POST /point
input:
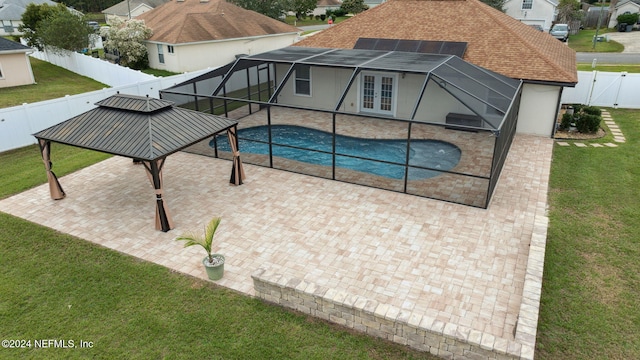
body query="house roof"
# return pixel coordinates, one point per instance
(495, 40)
(188, 21)
(13, 9)
(329, 3)
(136, 127)
(622, 3)
(8, 46)
(122, 8)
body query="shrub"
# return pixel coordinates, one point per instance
(339, 12)
(592, 110)
(629, 19)
(566, 121)
(588, 123)
(323, 17)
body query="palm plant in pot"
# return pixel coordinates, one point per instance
(213, 263)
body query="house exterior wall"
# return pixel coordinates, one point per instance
(327, 84)
(542, 12)
(197, 56)
(10, 24)
(16, 70)
(629, 6)
(538, 109)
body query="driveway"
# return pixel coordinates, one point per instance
(630, 40)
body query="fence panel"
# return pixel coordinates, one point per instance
(97, 69)
(18, 123)
(607, 89)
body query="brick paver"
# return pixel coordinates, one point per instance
(452, 263)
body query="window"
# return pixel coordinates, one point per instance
(303, 80)
(1, 74)
(160, 54)
(170, 49)
(527, 4)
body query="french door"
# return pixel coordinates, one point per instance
(378, 93)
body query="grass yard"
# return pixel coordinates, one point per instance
(52, 82)
(590, 307)
(55, 286)
(630, 68)
(583, 42)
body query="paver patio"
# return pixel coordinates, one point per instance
(476, 269)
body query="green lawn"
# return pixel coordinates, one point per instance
(590, 305)
(52, 82)
(583, 42)
(630, 68)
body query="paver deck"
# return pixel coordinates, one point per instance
(457, 264)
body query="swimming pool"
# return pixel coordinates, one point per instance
(379, 157)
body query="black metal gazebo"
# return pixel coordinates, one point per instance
(144, 129)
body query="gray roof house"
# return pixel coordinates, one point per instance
(130, 9)
(11, 14)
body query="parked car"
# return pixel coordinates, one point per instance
(94, 25)
(560, 32)
(537, 27)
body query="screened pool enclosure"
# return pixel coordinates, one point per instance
(430, 125)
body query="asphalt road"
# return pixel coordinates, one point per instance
(608, 58)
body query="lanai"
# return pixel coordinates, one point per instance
(145, 129)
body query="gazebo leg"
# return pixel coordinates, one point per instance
(154, 171)
(237, 171)
(55, 189)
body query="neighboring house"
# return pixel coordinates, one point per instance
(494, 40)
(15, 67)
(533, 12)
(191, 35)
(373, 3)
(11, 14)
(623, 7)
(324, 5)
(130, 9)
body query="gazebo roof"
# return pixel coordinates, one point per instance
(137, 127)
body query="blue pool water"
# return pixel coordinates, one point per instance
(431, 154)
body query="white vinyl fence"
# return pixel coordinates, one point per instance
(18, 123)
(97, 69)
(607, 89)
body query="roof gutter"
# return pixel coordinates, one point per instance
(551, 83)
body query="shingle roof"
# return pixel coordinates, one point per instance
(179, 22)
(13, 9)
(12, 46)
(122, 8)
(136, 127)
(496, 41)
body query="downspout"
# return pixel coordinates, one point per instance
(555, 120)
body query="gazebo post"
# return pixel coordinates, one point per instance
(237, 171)
(154, 171)
(55, 189)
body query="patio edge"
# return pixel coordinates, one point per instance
(417, 331)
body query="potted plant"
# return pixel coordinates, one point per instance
(213, 263)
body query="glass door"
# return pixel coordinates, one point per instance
(378, 93)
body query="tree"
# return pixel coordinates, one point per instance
(496, 4)
(568, 10)
(54, 27)
(63, 30)
(31, 19)
(127, 37)
(353, 6)
(302, 7)
(272, 8)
